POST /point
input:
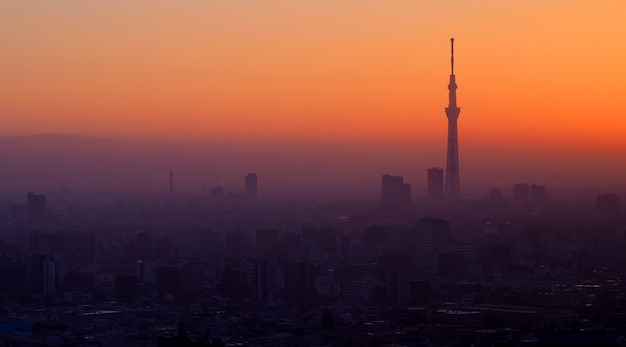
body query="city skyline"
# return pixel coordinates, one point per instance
(359, 81)
(85, 165)
(280, 173)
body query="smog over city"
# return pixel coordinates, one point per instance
(271, 173)
(84, 164)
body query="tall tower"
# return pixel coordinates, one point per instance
(452, 112)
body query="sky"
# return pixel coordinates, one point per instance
(540, 83)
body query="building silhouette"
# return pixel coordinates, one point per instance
(394, 269)
(166, 278)
(521, 194)
(608, 203)
(12, 279)
(36, 209)
(495, 198)
(452, 112)
(432, 236)
(251, 188)
(299, 287)
(495, 195)
(435, 184)
(126, 286)
(538, 193)
(44, 273)
(259, 280)
(77, 248)
(217, 193)
(395, 193)
(267, 238)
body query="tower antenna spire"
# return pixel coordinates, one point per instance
(452, 54)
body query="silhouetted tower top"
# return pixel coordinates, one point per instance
(452, 54)
(452, 85)
(452, 112)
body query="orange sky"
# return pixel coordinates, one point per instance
(542, 74)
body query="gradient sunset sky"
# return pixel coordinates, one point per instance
(533, 76)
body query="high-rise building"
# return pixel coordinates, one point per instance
(395, 270)
(217, 193)
(521, 194)
(452, 112)
(435, 184)
(299, 287)
(12, 279)
(126, 286)
(166, 280)
(395, 192)
(44, 273)
(322, 240)
(36, 209)
(495, 196)
(77, 248)
(267, 237)
(189, 280)
(234, 244)
(258, 279)
(251, 187)
(178, 281)
(538, 193)
(432, 236)
(234, 282)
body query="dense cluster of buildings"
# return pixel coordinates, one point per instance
(202, 270)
